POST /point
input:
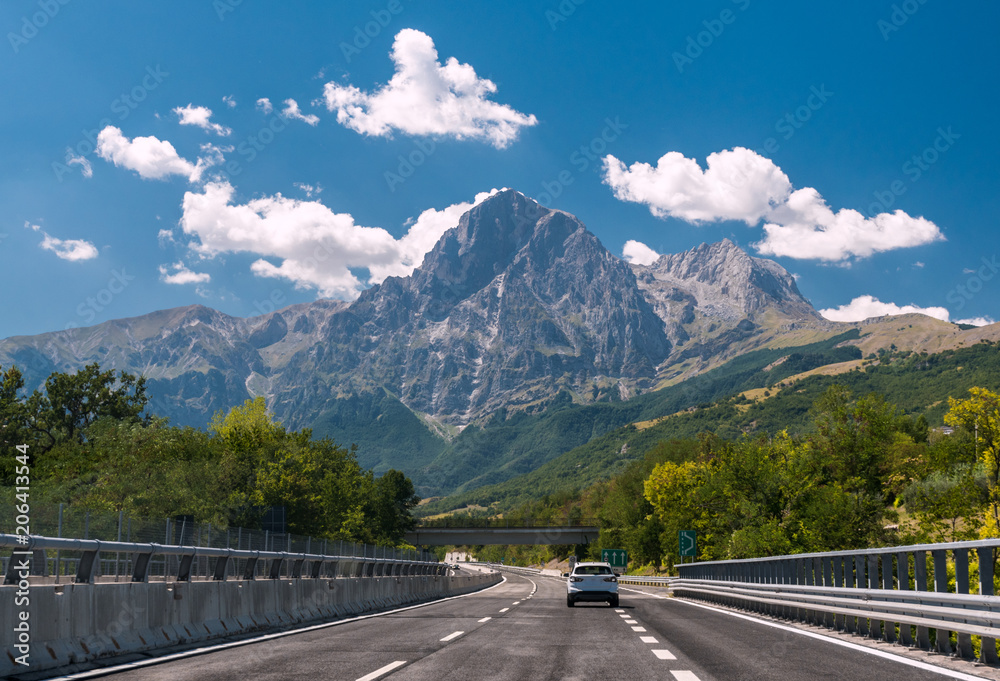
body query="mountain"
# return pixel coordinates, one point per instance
(448, 374)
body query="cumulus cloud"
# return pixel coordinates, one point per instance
(639, 253)
(425, 98)
(739, 184)
(865, 307)
(977, 321)
(306, 242)
(66, 249)
(230, 101)
(292, 111)
(152, 158)
(309, 189)
(178, 273)
(73, 159)
(199, 116)
(264, 105)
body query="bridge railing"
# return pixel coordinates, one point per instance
(901, 594)
(85, 561)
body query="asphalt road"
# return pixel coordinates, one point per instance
(522, 630)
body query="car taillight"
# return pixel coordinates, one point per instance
(610, 579)
(576, 579)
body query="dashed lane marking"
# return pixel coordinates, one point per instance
(664, 654)
(684, 675)
(619, 611)
(626, 616)
(383, 670)
(639, 629)
(504, 609)
(453, 635)
(485, 619)
(648, 639)
(631, 622)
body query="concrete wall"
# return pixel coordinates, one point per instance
(74, 623)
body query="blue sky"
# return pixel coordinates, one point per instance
(143, 168)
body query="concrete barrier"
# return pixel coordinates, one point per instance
(78, 623)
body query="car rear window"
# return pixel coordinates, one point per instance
(593, 570)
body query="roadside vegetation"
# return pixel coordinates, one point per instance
(92, 445)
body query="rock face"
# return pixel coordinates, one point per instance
(515, 305)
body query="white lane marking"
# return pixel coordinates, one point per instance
(619, 611)
(454, 634)
(648, 639)
(685, 675)
(663, 654)
(631, 622)
(128, 666)
(504, 609)
(639, 629)
(626, 616)
(846, 644)
(384, 670)
(516, 603)
(485, 619)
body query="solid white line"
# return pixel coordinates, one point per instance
(638, 629)
(105, 671)
(504, 609)
(485, 619)
(648, 639)
(454, 634)
(684, 675)
(384, 670)
(664, 654)
(820, 637)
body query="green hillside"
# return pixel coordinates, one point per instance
(918, 383)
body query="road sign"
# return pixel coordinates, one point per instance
(616, 557)
(689, 542)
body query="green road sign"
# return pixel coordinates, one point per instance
(616, 557)
(689, 542)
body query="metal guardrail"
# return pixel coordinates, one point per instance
(504, 523)
(896, 594)
(31, 560)
(639, 580)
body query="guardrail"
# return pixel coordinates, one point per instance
(638, 580)
(31, 562)
(505, 523)
(896, 594)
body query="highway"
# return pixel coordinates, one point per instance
(522, 629)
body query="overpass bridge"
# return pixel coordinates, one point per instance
(492, 531)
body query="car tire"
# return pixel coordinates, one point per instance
(570, 602)
(613, 602)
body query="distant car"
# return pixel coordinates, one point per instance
(591, 582)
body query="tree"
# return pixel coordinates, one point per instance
(980, 414)
(390, 506)
(72, 402)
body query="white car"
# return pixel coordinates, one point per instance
(591, 582)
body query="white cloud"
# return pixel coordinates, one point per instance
(230, 101)
(180, 274)
(264, 104)
(165, 236)
(639, 253)
(151, 158)
(75, 160)
(292, 111)
(864, 307)
(919, 265)
(309, 189)
(306, 242)
(199, 116)
(977, 321)
(66, 249)
(425, 98)
(739, 184)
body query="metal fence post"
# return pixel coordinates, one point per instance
(920, 584)
(903, 580)
(961, 557)
(889, 628)
(859, 568)
(941, 586)
(988, 648)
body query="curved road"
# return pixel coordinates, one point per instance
(522, 629)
